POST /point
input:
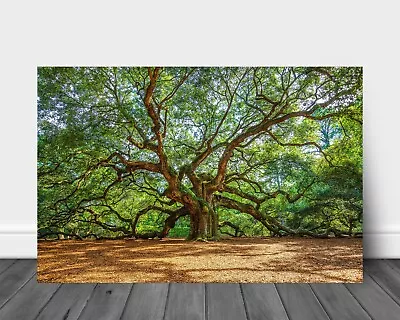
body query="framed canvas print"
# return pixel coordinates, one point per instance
(200, 174)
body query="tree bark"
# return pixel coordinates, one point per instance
(194, 226)
(214, 221)
(198, 224)
(203, 223)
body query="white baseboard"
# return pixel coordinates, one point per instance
(20, 241)
(381, 245)
(18, 246)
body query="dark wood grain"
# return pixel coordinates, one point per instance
(67, 303)
(374, 300)
(27, 302)
(225, 301)
(146, 301)
(300, 302)
(186, 301)
(107, 302)
(263, 302)
(14, 278)
(394, 263)
(333, 295)
(5, 264)
(385, 276)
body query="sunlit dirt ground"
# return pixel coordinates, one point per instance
(176, 260)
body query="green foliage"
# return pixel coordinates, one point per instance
(307, 170)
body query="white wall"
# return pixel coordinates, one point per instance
(287, 33)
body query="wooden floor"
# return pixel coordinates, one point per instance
(21, 297)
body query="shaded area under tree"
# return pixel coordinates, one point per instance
(174, 260)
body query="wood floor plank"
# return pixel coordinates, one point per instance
(5, 264)
(146, 301)
(107, 302)
(385, 276)
(374, 300)
(338, 302)
(21, 297)
(186, 301)
(67, 303)
(225, 301)
(394, 262)
(14, 278)
(300, 302)
(27, 302)
(263, 302)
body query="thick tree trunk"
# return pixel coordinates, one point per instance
(203, 225)
(214, 234)
(199, 224)
(203, 219)
(194, 226)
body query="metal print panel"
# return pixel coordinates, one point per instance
(195, 174)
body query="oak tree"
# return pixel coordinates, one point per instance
(139, 151)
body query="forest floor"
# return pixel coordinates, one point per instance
(176, 260)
